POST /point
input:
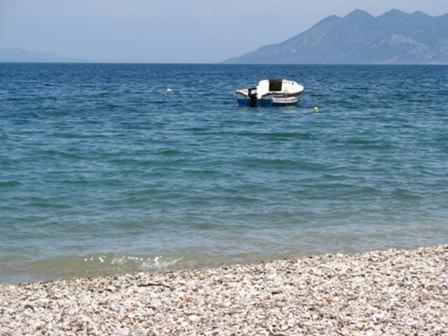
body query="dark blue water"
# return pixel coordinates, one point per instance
(103, 171)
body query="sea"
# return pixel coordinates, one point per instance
(104, 172)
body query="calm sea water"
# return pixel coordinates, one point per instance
(102, 171)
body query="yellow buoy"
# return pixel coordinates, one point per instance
(316, 109)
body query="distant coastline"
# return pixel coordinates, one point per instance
(358, 38)
(220, 64)
(17, 55)
(395, 37)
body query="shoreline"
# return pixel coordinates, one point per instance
(399, 291)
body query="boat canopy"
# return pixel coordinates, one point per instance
(270, 85)
(275, 84)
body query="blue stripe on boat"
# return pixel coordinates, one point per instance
(260, 102)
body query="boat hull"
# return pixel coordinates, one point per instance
(285, 99)
(271, 100)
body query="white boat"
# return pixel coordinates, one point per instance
(270, 92)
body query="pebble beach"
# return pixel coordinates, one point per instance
(394, 292)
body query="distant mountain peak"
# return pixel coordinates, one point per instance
(358, 13)
(332, 18)
(421, 14)
(394, 13)
(360, 38)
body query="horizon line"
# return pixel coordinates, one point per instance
(227, 64)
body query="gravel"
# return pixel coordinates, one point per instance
(394, 292)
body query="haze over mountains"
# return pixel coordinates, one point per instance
(21, 55)
(395, 37)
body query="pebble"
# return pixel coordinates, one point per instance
(394, 292)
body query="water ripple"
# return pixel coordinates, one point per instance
(102, 171)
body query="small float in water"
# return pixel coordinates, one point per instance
(270, 92)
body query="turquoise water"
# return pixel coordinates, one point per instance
(103, 172)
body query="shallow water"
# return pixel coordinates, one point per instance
(102, 171)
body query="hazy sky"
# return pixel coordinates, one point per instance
(172, 30)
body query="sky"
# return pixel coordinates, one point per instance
(172, 31)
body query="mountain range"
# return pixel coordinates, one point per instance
(22, 55)
(395, 37)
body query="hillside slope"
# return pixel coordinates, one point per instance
(360, 38)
